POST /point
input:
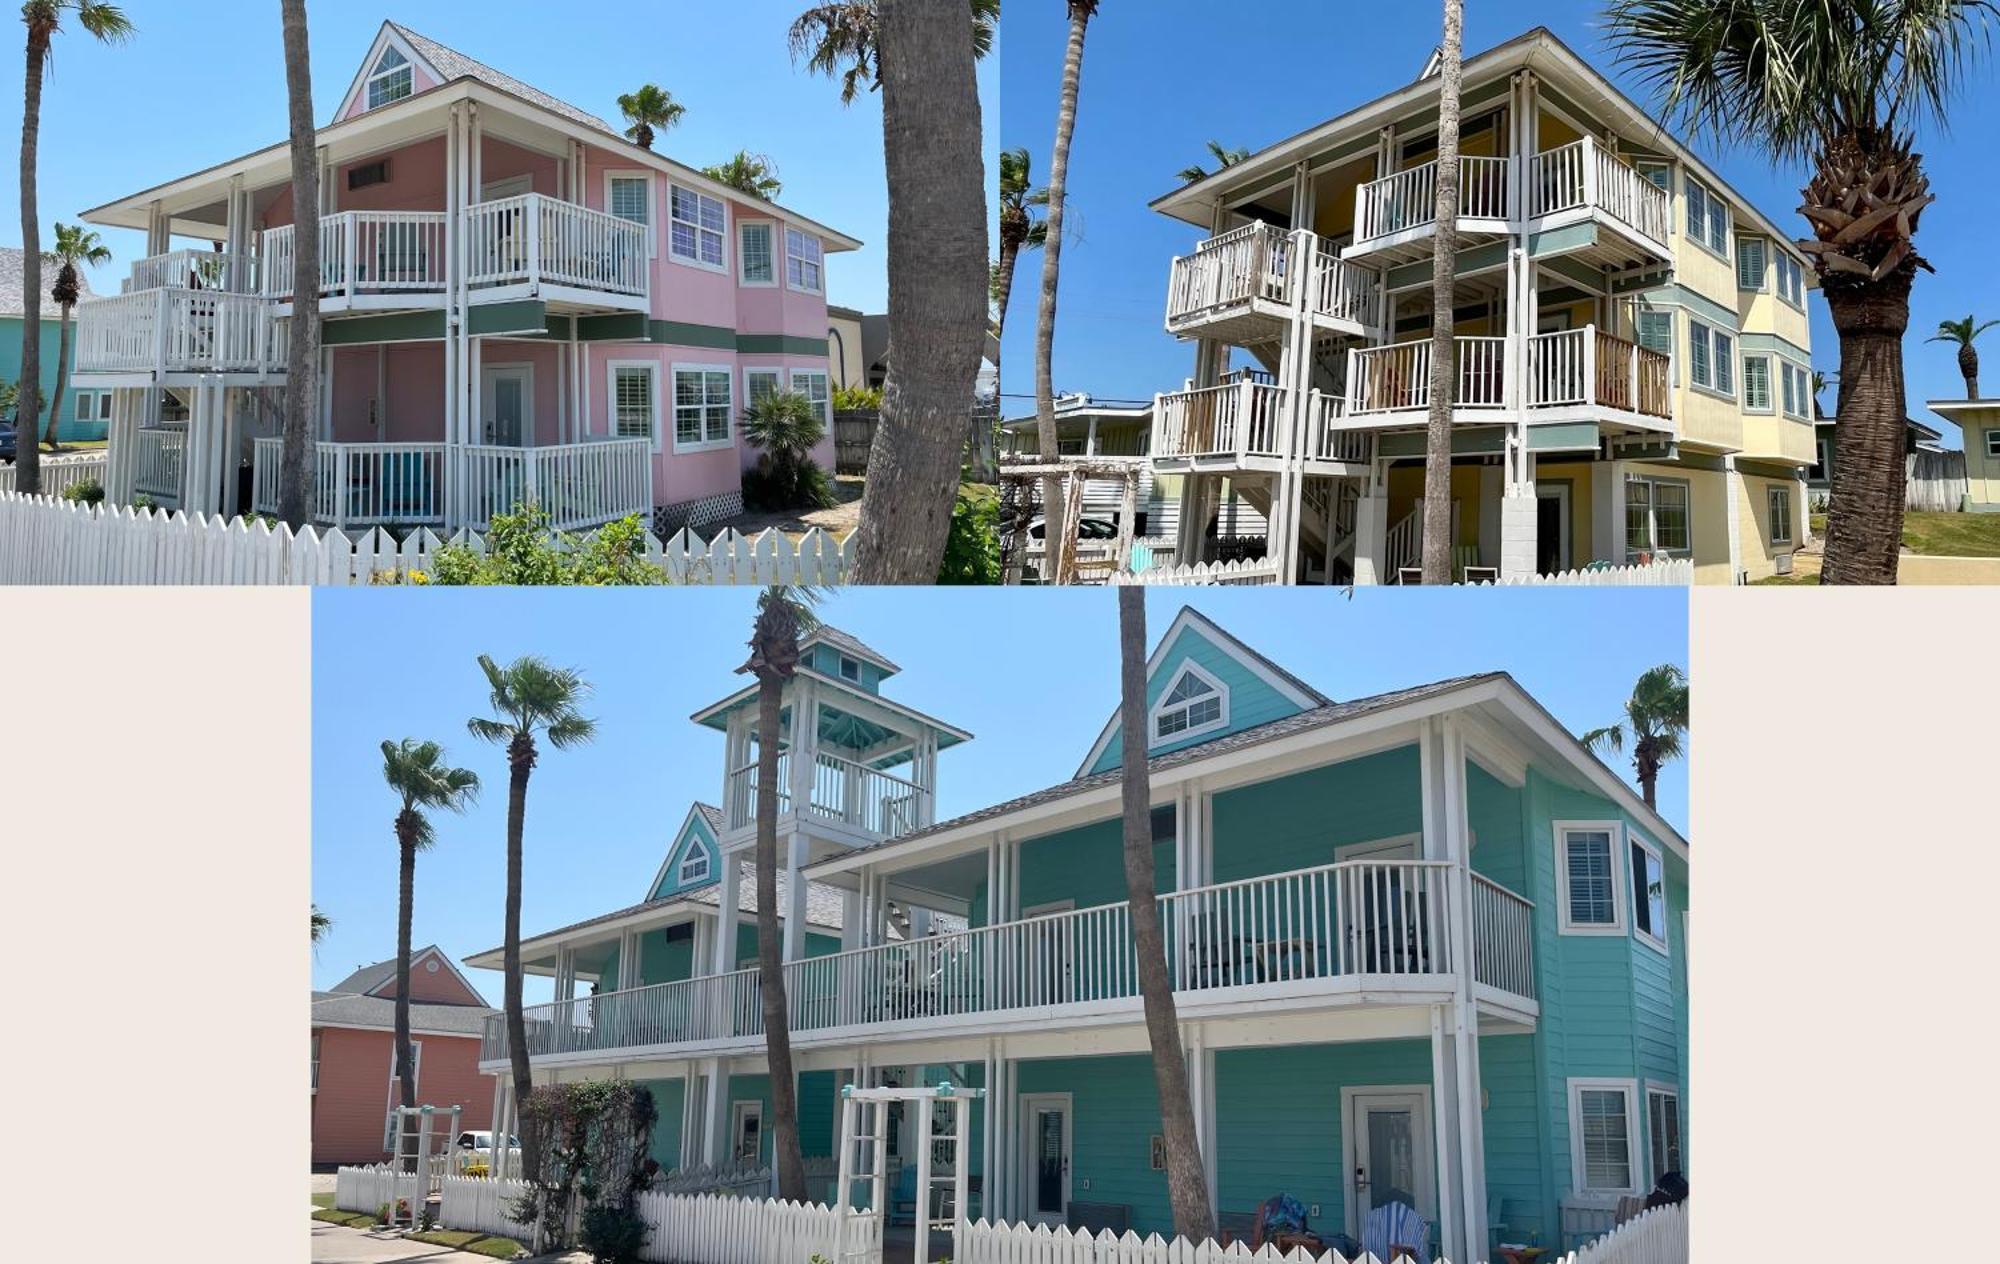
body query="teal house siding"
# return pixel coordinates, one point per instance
(669, 1098)
(1252, 701)
(1117, 1111)
(826, 661)
(1296, 822)
(694, 834)
(1086, 864)
(68, 427)
(1517, 1192)
(818, 1118)
(1493, 810)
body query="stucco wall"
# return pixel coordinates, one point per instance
(352, 1104)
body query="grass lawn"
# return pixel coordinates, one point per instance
(1952, 534)
(477, 1243)
(322, 1200)
(352, 1219)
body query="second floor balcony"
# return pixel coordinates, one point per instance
(844, 791)
(1572, 373)
(1350, 933)
(1241, 425)
(1244, 286)
(145, 335)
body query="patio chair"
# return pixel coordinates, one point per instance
(1394, 1231)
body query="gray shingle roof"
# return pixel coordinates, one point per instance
(711, 814)
(368, 978)
(1316, 717)
(823, 903)
(350, 1009)
(12, 303)
(850, 643)
(453, 64)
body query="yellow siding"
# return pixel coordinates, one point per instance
(1709, 513)
(1982, 472)
(1775, 437)
(1759, 553)
(1581, 515)
(1406, 484)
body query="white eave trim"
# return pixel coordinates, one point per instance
(449, 964)
(387, 37)
(675, 851)
(846, 687)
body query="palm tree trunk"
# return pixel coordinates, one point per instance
(28, 397)
(1646, 762)
(937, 289)
(302, 369)
(1444, 270)
(1056, 532)
(1864, 520)
(1968, 368)
(770, 959)
(520, 763)
(55, 399)
(1187, 1180)
(1009, 255)
(405, 1061)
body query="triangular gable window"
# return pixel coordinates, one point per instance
(391, 80)
(694, 865)
(1194, 703)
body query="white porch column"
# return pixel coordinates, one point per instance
(1607, 502)
(691, 1131)
(715, 1129)
(1371, 535)
(121, 441)
(1732, 501)
(232, 448)
(728, 913)
(1201, 1096)
(201, 476)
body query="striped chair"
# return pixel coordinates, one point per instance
(1394, 1231)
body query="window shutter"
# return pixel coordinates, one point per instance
(1757, 381)
(1749, 263)
(1698, 354)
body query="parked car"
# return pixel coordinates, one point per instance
(477, 1148)
(1086, 529)
(7, 438)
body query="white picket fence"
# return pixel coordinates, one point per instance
(370, 1188)
(59, 473)
(713, 1229)
(479, 1205)
(1672, 573)
(46, 540)
(1252, 571)
(1659, 1236)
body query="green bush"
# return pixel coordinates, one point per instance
(972, 548)
(611, 1234)
(785, 426)
(85, 491)
(857, 399)
(520, 549)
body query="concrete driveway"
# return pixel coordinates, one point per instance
(335, 1244)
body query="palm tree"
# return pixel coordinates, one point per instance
(1842, 84)
(321, 924)
(529, 698)
(783, 616)
(416, 771)
(1963, 332)
(750, 173)
(302, 359)
(1019, 228)
(1436, 559)
(650, 107)
(1062, 548)
(1224, 158)
(1656, 720)
(75, 244)
(841, 39)
(1187, 1183)
(938, 200)
(785, 427)
(43, 18)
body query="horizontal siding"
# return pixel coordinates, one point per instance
(1251, 700)
(1512, 1124)
(669, 1099)
(1117, 1111)
(1295, 822)
(1086, 865)
(1493, 809)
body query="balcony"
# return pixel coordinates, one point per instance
(381, 259)
(1239, 287)
(194, 270)
(1349, 933)
(1241, 426)
(1583, 182)
(1572, 374)
(1396, 216)
(863, 799)
(358, 485)
(146, 336)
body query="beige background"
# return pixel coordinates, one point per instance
(155, 1054)
(1846, 898)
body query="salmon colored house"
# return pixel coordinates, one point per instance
(354, 1059)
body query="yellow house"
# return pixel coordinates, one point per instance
(1979, 421)
(1632, 354)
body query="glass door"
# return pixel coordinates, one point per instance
(1047, 1117)
(1389, 1144)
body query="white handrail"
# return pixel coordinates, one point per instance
(1396, 377)
(194, 270)
(359, 484)
(1256, 262)
(1503, 942)
(364, 252)
(1408, 199)
(179, 330)
(1243, 417)
(532, 238)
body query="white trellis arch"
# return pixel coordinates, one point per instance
(864, 1155)
(419, 1139)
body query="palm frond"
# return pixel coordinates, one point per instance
(1611, 737)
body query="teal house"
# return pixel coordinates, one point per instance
(85, 414)
(1426, 948)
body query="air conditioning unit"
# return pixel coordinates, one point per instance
(1784, 563)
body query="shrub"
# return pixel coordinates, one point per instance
(520, 549)
(85, 492)
(857, 399)
(588, 1140)
(972, 548)
(612, 1235)
(785, 426)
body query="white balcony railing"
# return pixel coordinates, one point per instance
(1397, 378)
(1585, 174)
(363, 252)
(1383, 923)
(194, 270)
(1408, 199)
(359, 484)
(534, 239)
(1262, 262)
(578, 484)
(160, 457)
(842, 790)
(1588, 366)
(1241, 418)
(179, 330)
(1327, 440)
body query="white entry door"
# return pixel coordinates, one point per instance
(1045, 1118)
(507, 404)
(1388, 1144)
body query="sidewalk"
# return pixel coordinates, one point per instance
(336, 1244)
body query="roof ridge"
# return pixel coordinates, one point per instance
(491, 72)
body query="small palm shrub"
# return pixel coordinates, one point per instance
(84, 492)
(785, 426)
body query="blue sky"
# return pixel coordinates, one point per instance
(1161, 80)
(389, 665)
(204, 83)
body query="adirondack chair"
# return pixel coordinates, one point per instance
(1394, 1231)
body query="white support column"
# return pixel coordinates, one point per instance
(497, 1121)
(1465, 1027)
(729, 896)
(690, 1148)
(1732, 502)
(1371, 533)
(715, 1130)
(1607, 500)
(1201, 1096)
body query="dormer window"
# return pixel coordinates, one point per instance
(391, 80)
(850, 669)
(694, 866)
(1195, 703)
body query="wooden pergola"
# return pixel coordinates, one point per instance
(1021, 482)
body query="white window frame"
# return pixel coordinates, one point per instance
(86, 406)
(1775, 495)
(1620, 915)
(695, 260)
(1722, 363)
(104, 405)
(1770, 404)
(847, 660)
(705, 444)
(775, 254)
(1763, 247)
(1709, 201)
(695, 852)
(1796, 298)
(739, 1111)
(378, 74)
(819, 263)
(792, 377)
(1634, 1159)
(611, 371)
(1671, 1092)
(1153, 739)
(1992, 441)
(1634, 839)
(652, 203)
(776, 372)
(1653, 485)
(1699, 377)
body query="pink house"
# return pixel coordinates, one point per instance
(516, 303)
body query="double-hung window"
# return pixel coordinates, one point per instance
(1750, 261)
(1798, 390)
(392, 79)
(1701, 368)
(635, 400)
(1725, 362)
(703, 406)
(1656, 516)
(1707, 218)
(1757, 383)
(1649, 892)
(754, 252)
(1780, 501)
(1663, 1129)
(1791, 280)
(1194, 703)
(1603, 1137)
(698, 223)
(804, 262)
(1790, 385)
(1993, 443)
(1587, 877)
(760, 384)
(815, 387)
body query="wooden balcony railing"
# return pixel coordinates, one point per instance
(1397, 378)
(194, 270)
(1577, 366)
(1386, 923)
(534, 239)
(1265, 262)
